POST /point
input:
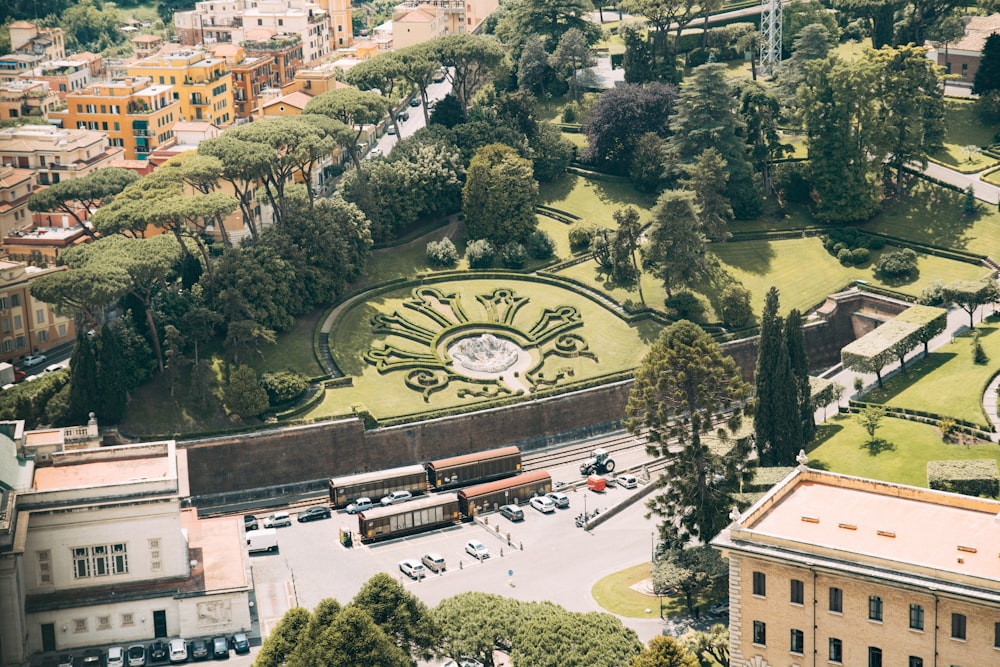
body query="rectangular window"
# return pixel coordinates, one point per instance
(40, 316)
(760, 633)
(874, 656)
(15, 300)
(103, 622)
(62, 330)
(996, 635)
(43, 336)
(836, 600)
(81, 563)
(79, 625)
(836, 650)
(759, 583)
(100, 559)
(916, 617)
(119, 559)
(798, 641)
(43, 558)
(874, 608)
(5, 325)
(916, 662)
(958, 626)
(798, 591)
(127, 619)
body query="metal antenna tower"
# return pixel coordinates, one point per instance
(770, 36)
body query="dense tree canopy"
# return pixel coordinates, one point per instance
(499, 196)
(620, 117)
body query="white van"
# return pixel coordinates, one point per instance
(265, 539)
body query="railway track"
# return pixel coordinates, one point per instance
(617, 443)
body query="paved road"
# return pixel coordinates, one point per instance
(984, 191)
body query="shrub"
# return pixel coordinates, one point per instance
(875, 243)
(442, 253)
(283, 386)
(979, 356)
(513, 255)
(897, 264)
(580, 236)
(844, 256)
(480, 254)
(541, 245)
(697, 57)
(570, 113)
(933, 294)
(735, 306)
(975, 477)
(685, 305)
(860, 256)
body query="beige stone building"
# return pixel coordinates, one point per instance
(16, 186)
(56, 154)
(27, 325)
(95, 548)
(828, 569)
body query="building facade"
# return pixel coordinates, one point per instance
(103, 552)
(961, 58)
(136, 114)
(63, 76)
(837, 570)
(56, 154)
(16, 187)
(200, 82)
(27, 99)
(29, 38)
(28, 325)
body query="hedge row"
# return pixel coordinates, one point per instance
(778, 234)
(922, 416)
(974, 477)
(929, 248)
(597, 175)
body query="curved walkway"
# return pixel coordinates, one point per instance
(990, 400)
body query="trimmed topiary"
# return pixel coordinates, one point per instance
(442, 253)
(513, 255)
(480, 254)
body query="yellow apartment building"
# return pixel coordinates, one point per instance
(16, 186)
(135, 113)
(201, 83)
(27, 325)
(832, 570)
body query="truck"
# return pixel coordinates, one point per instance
(265, 540)
(600, 462)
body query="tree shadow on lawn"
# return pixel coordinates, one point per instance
(929, 213)
(754, 257)
(876, 446)
(824, 432)
(553, 192)
(915, 372)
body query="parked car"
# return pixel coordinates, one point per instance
(116, 657)
(199, 649)
(434, 562)
(360, 505)
(414, 569)
(314, 513)
(396, 497)
(158, 651)
(627, 481)
(374, 153)
(241, 643)
(512, 512)
(543, 504)
(415, 102)
(391, 130)
(66, 660)
(177, 650)
(136, 655)
(93, 657)
(477, 549)
(250, 522)
(277, 520)
(54, 368)
(34, 360)
(403, 116)
(560, 499)
(19, 375)
(719, 608)
(220, 648)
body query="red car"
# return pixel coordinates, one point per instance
(19, 375)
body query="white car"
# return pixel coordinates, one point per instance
(560, 499)
(627, 481)
(54, 368)
(396, 497)
(178, 650)
(34, 360)
(360, 505)
(277, 520)
(136, 655)
(477, 549)
(414, 569)
(543, 504)
(116, 657)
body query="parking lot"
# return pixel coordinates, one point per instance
(544, 557)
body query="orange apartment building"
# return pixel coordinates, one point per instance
(63, 76)
(259, 66)
(136, 114)
(829, 569)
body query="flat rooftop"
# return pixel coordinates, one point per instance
(221, 547)
(101, 473)
(901, 529)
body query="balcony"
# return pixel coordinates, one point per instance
(198, 101)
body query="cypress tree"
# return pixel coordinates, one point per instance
(795, 343)
(83, 379)
(112, 386)
(776, 417)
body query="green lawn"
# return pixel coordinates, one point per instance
(616, 345)
(962, 129)
(614, 593)
(932, 214)
(901, 456)
(947, 382)
(593, 200)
